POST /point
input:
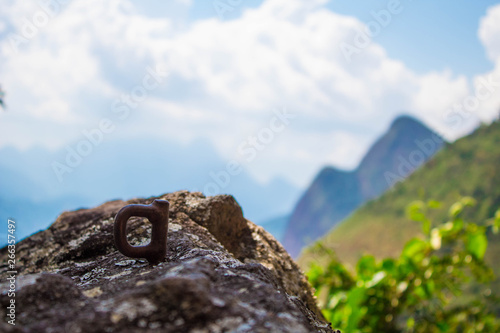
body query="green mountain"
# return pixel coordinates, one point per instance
(468, 167)
(335, 194)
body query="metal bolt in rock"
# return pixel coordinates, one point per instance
(157, 214)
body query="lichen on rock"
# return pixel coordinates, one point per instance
(222, 273)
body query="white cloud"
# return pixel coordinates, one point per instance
(489, 32)
(225, 78)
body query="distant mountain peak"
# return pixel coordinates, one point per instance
(405, 121)
(328, 171)
(456, 170)
(334, 193)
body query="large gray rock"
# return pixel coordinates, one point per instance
(222, 273)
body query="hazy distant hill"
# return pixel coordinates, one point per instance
(335, 194)
(468, 167)
(31, 192)
(276, 226)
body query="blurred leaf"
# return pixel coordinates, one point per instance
(458, 225)
(496, 223)
(336, 299)
(376, 279)
(355, 298)
(410, 323)
(366, 267)
(314, 274)
(447, 231)
(426, 226)
(477, 244)
(389, 265)
(468, 201)
(443, 326)
(420, 292)
(430, 287)
(402, 286)
(456, 209)
(434, 204)
(414, 211)
(435, 239)
(414, 247)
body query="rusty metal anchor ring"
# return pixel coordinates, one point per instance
(157, 214)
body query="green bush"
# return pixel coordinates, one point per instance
(2, 95)
(439, 283)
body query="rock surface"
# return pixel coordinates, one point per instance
(222, 273)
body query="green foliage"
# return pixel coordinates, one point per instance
(419, 291)
(2, 95)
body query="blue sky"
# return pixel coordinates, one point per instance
(441, 34)
(228, 75)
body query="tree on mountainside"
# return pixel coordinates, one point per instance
(2, 95)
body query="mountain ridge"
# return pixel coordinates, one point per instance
(467, 167)
(335, 193)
